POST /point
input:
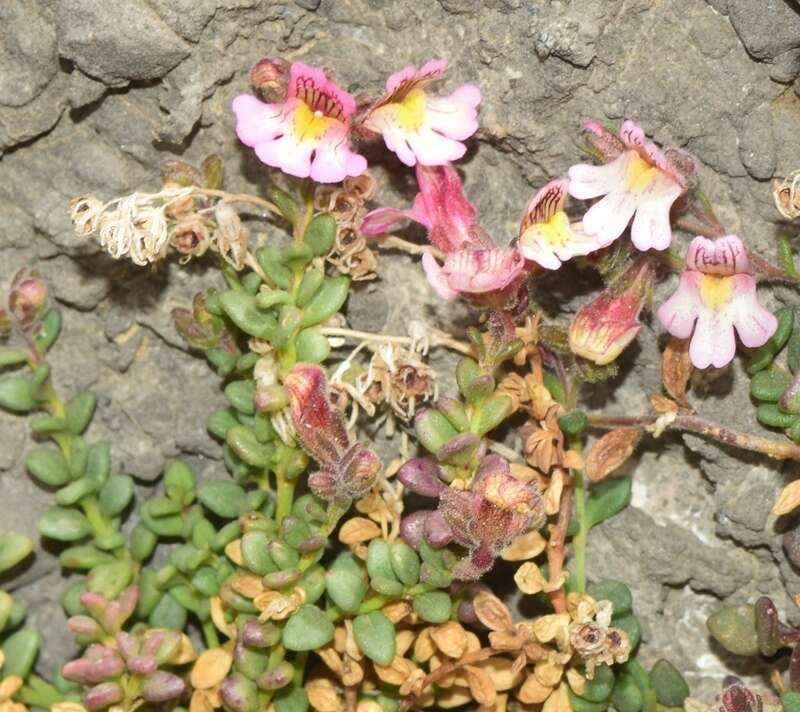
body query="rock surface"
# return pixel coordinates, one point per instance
(94, 95)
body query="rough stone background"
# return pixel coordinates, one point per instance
(95, 94)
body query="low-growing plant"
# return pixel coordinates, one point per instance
(307, 576)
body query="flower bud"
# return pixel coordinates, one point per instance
(103, 695)
(738, 698)
(27, 297)
(162, 686)
(269, 77)
(603, 328)
(412, 527)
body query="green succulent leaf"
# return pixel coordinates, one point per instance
(608, 498)
(734, 628)
(13, 549)
(375, 637)
(64, 524)
(671, 689)
(307, 629)
(223, 497)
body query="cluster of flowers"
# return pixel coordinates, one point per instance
(307, 131)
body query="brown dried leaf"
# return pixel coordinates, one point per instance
(492, 612)
(201, 701)
(788, 499)
(357, 530)
(234, 552)
(247, 585)
(501, 672)
(480, 685)
(576, 681)
(450, 638)
(424, 649)
(397, 672)
(533, 692)
(453, 697)
(396, 611)
(218, 617)
(662, 404)
(558, 701)
(322, 696)
(404, 640)
(610, 452)
(676, 368)
(525, 547)
(210, 668)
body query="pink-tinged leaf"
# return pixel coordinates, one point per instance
(104, 695)
(162, 686)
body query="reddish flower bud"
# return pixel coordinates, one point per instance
(603, 328)
(269, 77)
(27, 297)
(260, 635)
(348, 469)
(239, 694)
(737, 698)
(412, 527)
(142, 665)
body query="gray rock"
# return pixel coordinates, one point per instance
(28, 58)
(757, 144)
(767, 29)
(130, 43)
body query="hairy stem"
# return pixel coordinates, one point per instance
(436, 339)
(777, 449)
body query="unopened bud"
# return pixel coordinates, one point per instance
(269, 77)
(27, 297)
(421, 475)
(602, 329)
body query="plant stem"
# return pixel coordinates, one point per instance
(210, 634)
(240, 198)
(284, 497)
(655, 424)
(300, 226)
(580, 539)
(557, 548)
(436, 339)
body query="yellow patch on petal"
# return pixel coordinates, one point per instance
(410, 112)
(309, 125)
(715, 291)
(640, 174)
(555, 232)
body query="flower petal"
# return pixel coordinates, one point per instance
(724, 256)
(546, 202)
(679, 313)
(713, 342)
(256, 121)
(588, 181)
(313, 88)
(608, 218)
(437, 278)
(754, 324)
(651, 226)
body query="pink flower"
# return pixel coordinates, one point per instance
(716, 295)
(308, 134)
(639, 183)
(421, 128)
(473, 265)
(546, 235)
